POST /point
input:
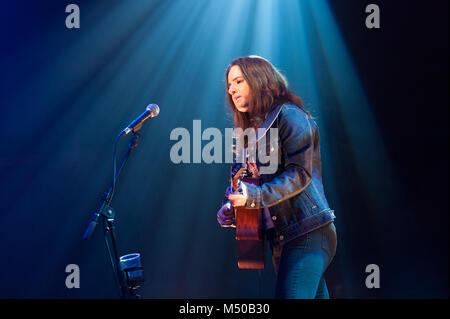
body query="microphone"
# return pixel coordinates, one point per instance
(151, 110)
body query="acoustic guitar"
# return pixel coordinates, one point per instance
(249, 223)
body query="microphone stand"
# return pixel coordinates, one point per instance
(107, 213)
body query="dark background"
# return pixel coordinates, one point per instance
(53, 169)
(405, 74)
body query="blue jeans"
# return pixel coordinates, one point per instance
(301, 263)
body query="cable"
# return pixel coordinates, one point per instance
(124, 160)
(114, 169)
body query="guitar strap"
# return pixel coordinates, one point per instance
(268, 122)
(259, 134)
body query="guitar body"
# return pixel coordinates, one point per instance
(249, 233)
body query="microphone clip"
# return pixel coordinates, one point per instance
(134, 141)
(106, 211)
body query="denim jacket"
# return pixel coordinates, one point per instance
(294, 193)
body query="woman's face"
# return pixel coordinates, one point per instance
(238, 88)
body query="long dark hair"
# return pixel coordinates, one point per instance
(268, 89)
